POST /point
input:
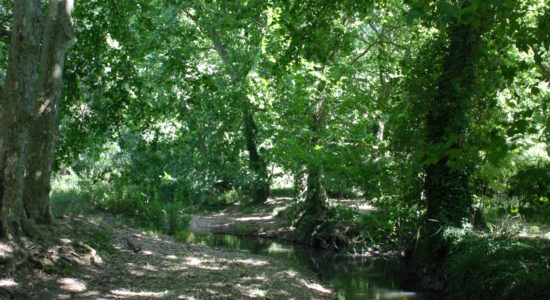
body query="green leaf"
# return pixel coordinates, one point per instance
(413, 14)
(449, 10)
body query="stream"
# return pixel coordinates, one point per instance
(350, 277)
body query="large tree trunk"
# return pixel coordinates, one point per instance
(446, 185)
(16, 113)
(44, 128)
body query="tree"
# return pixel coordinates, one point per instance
(21, 116)
(16, 113)
(451, 87)
(239, 60)
(43, 131)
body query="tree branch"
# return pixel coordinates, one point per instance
(133, 46)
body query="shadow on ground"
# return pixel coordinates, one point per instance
(91, 258)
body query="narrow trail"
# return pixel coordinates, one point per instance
(259, 220)
(262, 222)
(93, 258)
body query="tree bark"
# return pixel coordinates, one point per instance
(446, 184)
(43, 132)
(16, 114)
(316, 196)
(260, 184)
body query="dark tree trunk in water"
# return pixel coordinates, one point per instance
(43, 131)
(16, 113)
(449, 201)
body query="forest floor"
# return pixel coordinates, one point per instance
(259, 220)
(97, 257)
(264, 220)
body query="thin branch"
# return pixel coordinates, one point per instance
(358, 57)
(133, 46)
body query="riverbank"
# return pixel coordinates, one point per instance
(258, 221)
(479, 264)
(277, 219)
(97, 257)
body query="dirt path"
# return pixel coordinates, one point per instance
(92, 258)
(261, 221)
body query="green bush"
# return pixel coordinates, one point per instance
(531, 187)
(481, 266)
(391, 226)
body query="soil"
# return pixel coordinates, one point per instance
(96, 258)
(259, 221)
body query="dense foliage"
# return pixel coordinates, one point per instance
(435, 113)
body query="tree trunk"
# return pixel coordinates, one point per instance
(446, 185)
(260, 186)
(43, 131)
(16, 113)
(316, 196)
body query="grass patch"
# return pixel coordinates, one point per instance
(283, 192)
(73, 195)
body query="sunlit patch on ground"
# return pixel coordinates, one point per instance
(250, 262)
(72, 285)
(65, 241)
(203, 263)
(255, 218)
(263, 222)
(5, 250)
(358, 204)
(162, 268)
(291, 273)
(256, 293)
(315, 286)
(145, 294)
(8, 283)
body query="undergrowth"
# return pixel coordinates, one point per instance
(388, 228)
(484, 266)
(75, 195)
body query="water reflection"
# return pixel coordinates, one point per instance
(351, 277)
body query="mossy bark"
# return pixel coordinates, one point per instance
(446, 185)
(449, 200)
(316, 196)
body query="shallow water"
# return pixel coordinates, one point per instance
(350, 277)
